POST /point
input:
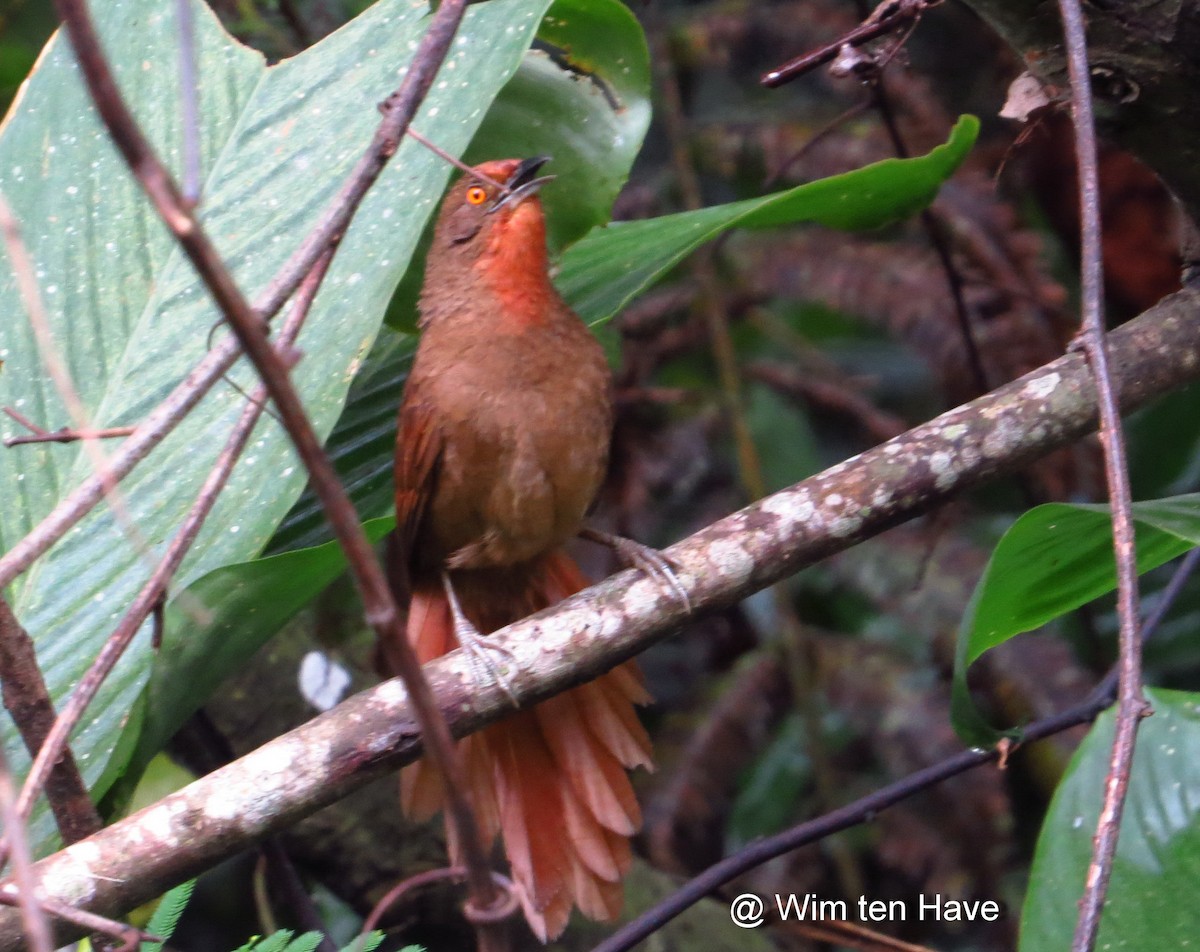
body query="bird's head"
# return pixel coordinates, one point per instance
(488, 259)
(496, 201)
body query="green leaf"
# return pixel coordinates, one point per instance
(1055, 558)
(306, 942)
(590, 117)
(166, 915)
(249, 602)
(372, 941)
(612, 265)
(275, 942)
(132, 320)
(1152, 895)
(360, 446)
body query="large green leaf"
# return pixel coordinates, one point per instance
(586, 103)
(1055, 558)
(612, 265)
(360, 445)
(132, 319)
(1151, 901)
(249, 602)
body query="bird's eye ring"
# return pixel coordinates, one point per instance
(476, 195)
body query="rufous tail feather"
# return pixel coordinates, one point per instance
(551, 780)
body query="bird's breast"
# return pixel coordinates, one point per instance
(526, 424)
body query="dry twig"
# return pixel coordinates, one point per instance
(1131, 703)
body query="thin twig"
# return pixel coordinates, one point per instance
(396, 893)
(941, 247)
(857, 109)
(37, 932)
(1131, 702)
(839, 396)
(380, 608)
(889, 16)
(446, 873)
(64, 434)
(1183, 571)
(189, 101)
(128, 935)
(455, 161)
(155, 589)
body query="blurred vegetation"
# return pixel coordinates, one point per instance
(24, 27)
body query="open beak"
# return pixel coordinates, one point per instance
(521, 184)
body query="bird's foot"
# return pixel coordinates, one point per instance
(635, 555)
(481, 653)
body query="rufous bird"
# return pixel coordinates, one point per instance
(503, 443)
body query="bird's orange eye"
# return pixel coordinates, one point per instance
(476, 195)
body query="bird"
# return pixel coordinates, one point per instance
(503, 440)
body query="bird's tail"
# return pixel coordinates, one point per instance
(552, 779)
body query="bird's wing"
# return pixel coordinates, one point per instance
(419, 447)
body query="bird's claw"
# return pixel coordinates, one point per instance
(635, 555)
(479, 650)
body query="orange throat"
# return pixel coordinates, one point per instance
(516, 268)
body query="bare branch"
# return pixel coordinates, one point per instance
(128, 935)
(33, 923)
(1131, 702)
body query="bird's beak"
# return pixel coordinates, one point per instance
(521, 184)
